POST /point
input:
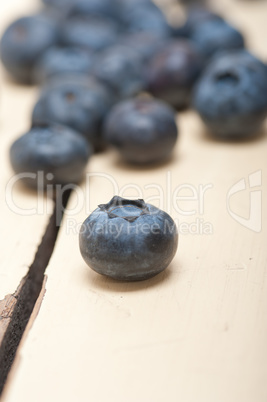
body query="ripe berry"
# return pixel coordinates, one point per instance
(142, 130)
(24, 41)
(57, 152)
(128, 240)
(231, 96)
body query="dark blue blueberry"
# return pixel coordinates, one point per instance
(216, 35)
(121, 69)
(58, 61)
(145, 43)
(75, 101)
(58, 153)
(102, 8)
(231, 96)
(24, 41)
(128, 240)
(145, 17)
(172, 72)
(89, 33)
(60, 4)
(196, 15)
(143, 130)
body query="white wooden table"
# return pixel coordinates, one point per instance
(195, 333)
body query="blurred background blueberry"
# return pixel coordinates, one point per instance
(57, 152)
(23, 42)
(231, 96)
(121, 69)
(197, 14)
(172, 72)
(92, 33)
(215, 35)
(78, 102)
(145, 43)
(59, 61)
(98, 8)
(143, 130)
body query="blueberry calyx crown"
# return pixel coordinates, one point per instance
(119, 207)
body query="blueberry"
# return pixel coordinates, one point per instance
(216, 35)
(23, 43)
(120, 68)
(57, 152)
(172, 72)
(231, 96)
(102, 8)
(58, 61)
(78, 102)
(145, 43)
(128, 240)
(89, 33)
(196, 15)
(60, 4)
(143, 130)
(145, 17)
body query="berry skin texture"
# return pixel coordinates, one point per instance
(58, 152)
(128, 240)
(121, 69)
(78, 102)
(142, 130)
(213, 36)
(58, 61)
(231, 96)
(23, 42)
(172, 72)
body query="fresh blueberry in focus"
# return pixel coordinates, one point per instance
(231, 96)
(128, 240)
(102, 8)
(143, 130)
(215, 35)
(23, 42)
(75, 101)
(58, 61)
(89, 33)
(121, 68)
(172, 72)
(146, 44)
(58, 153)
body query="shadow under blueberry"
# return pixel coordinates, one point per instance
(104, 283)
(207, 136)
(8, 79)
(120, 164)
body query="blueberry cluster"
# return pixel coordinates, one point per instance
(114, 73)
(102, 63)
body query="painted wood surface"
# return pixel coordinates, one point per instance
(195, 333)
(21, 228)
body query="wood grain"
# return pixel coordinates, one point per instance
(195, 333)
(21, 231)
